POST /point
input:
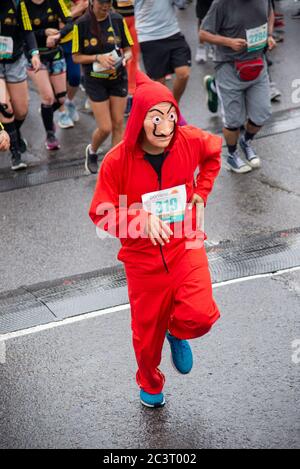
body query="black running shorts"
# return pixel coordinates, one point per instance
(163, 56)
(99, 89)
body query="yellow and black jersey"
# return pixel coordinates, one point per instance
(124, 7)
(111, 34)
(69, 37)
(15, 24)
(46, 15)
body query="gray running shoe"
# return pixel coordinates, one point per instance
(235, 163)
(252, 159)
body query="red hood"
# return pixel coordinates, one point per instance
(148, 93)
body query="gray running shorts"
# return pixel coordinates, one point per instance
(14, 72)
(242, 100)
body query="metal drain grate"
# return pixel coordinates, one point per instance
(42, 174)
(282, 121)
(51, 301)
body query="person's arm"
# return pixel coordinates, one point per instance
(127, 54)
(209, 164)
(65, 16)
(29, 36)
(212, 27)
(104, 60)
(126, 39)
(235, 44)
(79, 8)
(107, 210)
(271, 40)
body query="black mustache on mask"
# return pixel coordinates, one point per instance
(162, 135)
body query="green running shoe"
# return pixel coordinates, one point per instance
(212, 97)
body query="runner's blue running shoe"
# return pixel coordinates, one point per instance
(181, 352)
(152, 400)
(72, 111)
(252, 159)
(235, 163)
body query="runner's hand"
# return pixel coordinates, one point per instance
(51, 31)
(271, 43)
(4, 140)
(52, 40)
(199, 203)
(157, 230)
(237, 44)
(127, 57)
(107, 61)
(36, 63)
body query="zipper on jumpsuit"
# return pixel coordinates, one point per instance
(160, 247)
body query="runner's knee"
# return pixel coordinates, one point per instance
(47, 99)
(106, 129)
(6, 110)
(193, 322)
(60, 97)
(232, 129)
(183, 75)
(118, 124)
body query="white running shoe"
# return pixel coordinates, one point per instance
(201, 54)
(65, 121)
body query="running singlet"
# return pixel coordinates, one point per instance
(124, 7)
(15, 27)
(87, 43)
(48, 15)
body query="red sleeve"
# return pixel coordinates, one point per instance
(109, 210)
(209, 163)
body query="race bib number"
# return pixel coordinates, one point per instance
(169, 204)
(257, 38)
(6, 47)
(124, 3)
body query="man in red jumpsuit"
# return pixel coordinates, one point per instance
(164, 172)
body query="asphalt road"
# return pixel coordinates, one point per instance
(73, 386)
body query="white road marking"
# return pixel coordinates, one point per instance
(63, 322)
(115, 309)
(2, 352)
(254, 277)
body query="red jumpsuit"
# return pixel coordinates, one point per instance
(169, 287)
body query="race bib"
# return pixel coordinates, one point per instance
(6, 47)
(99, 68)
(169, 204)
(257, 38)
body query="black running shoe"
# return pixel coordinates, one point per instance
(16, 162)
(91, 161)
